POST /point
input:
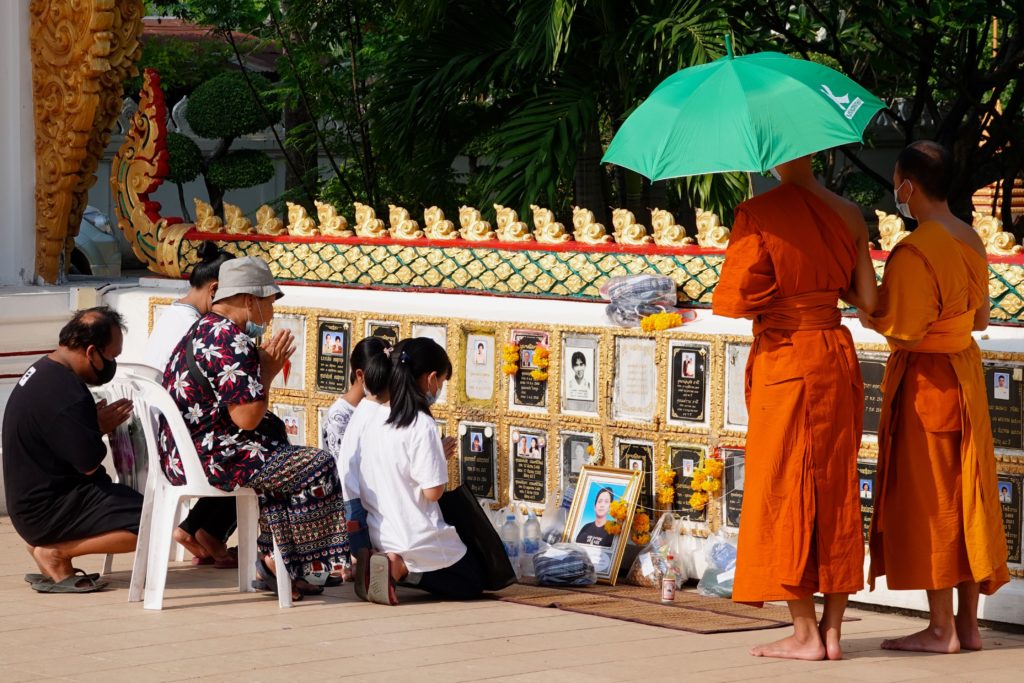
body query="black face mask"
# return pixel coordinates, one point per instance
(105, 373)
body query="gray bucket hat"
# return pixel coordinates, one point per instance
(246, 275)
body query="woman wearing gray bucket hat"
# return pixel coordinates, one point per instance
(219, 375)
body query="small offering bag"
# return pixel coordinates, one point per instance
(651, 564)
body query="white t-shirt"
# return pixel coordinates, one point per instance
(395, 466)
(170, 327)
(341, 437)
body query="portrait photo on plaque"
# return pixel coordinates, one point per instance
(439, 334)
(872, 369)
(477, 461)
(1004, 386)
(478, 366)
(293, 375)
(580, 373)
(528, 454)
(389, 331)
(577, 450)
(590, 521)
(866, 470)
(689, 400)
(735, 386)
(732, 487)
(294, 419)
(638, 456)
(635, 391)
(1008, 487)
(526, 392)
(684, 459)
(333, 338)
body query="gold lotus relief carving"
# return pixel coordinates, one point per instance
(1011, 303)
(996, 288)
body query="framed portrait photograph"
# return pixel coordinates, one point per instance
(1008, 488)
(478, 367)
(438, 333)
(580, 374)
(635, 392)
(294, 418)
(866, 471)
(576, 451)
(477, 463)
(527, 393)
(638, 456)
(528, 456)
(1004, 386)
(732, 486)
(735, 386)
(333, 339)
(689, 401)
(293, 375)
(389, 331)
(590, 515)
(684, 459)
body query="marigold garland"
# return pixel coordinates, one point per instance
(666, 477)
(707, 479)
(510, 355)
(660, 321)
(640, 531)
(542, 359)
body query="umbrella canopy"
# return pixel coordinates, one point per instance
(746, 113)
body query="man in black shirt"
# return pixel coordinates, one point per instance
(60, 499)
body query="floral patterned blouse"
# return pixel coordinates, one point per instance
(227, 356)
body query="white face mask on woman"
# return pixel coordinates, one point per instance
(903, 207)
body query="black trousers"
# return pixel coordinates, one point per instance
(461, 581)
(217, 516)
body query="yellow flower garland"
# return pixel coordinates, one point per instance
(666, 477)
(707, 479)
(640, 531)
(542, 359)
(510, 355)
(660, 321)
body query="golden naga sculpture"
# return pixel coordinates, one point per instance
(82, 52)
(666, 232)
(402, 226)
(510, 228)
(367, 223)
(890, 230)
(586, 229)
(627, 230)
(331, 223)
(474, 227)
(437, 226)
(206, 219)
(997, 241)
(711, 234)
(267, 222)
(299, 222)
(235, 221)
(545, 228)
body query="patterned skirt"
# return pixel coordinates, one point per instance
(301, 505)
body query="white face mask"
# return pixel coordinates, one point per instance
(903, 207)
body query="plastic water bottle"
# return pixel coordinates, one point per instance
(553, 534)
(510, 537)
(668, 583)
(531, 542)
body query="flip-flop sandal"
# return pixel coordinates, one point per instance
(381, 588)
(362, 580)
(36, 578)
(71, 584)
(267, 581)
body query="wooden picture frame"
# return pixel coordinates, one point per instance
(584, 515)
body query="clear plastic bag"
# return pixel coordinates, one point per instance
(651, 564)
(720, 551)
(564, 564)
(639, 289)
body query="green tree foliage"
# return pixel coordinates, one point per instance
(185, 159)
(182, 64)
(230, 105)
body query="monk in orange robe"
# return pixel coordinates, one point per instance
(793, 253)
(937, 523)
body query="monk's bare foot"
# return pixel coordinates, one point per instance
(967, 633)
(398, 569)
(191, 544)
(941, 641)
(833, 647)
(52, 563)
(810, 649)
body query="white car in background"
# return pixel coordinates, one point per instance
(100, 247)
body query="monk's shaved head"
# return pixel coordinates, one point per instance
(929, 167)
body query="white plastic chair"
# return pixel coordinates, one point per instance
(162, 503)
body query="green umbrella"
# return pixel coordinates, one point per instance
(745, 113)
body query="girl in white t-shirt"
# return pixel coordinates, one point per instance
(403, 470)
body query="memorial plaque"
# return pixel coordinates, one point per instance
(1009, 488)
(635, 391)
(388, 331)
(866, 470)
(527, 391)
(575, 453)
(580, 374)
(872, 369)
(528, 449)
(476, 459)
(735, 475)
(479, 366)
(1005, 404)
(687, 382)
(684, 460)
(333, 338)
(735, 385)
(294, 419)
(438, 333)
(638, 456)
(293, 373)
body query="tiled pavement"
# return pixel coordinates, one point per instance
(209, 631)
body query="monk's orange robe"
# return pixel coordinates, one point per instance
(937, 520)
(790, 257)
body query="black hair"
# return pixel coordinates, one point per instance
(211, 257)
(370, 356)
(929, 167)
(577, 356)
(91, 327)
(410, 360)
(611, 494)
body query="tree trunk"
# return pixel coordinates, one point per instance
(300, 177)
(588, 181)
(181, 200)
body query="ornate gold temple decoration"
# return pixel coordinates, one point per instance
(586, 229)
(474, 227)
(711, 234)
(331, 223)
(890, 230)
(402, 226)
(206, 219)
(267, 222)
(627, 230)
(82, 51)
(666, 232)
(510, 228)
(235, 221)
(437, 226)
(545, 228)
(367, 223)
(299, 222)
(997, 241)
